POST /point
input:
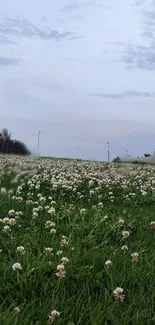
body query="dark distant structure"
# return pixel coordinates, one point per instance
(9, 146)
(117, 159)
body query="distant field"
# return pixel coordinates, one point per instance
(77, 242)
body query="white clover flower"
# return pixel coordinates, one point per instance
(6, 220)
(64, 242)
(54, 316)
(48, 251)
(21, 250)
(60, 267)
(12, 221)
(124, 248)
(40, 208)
(125, 234)
(91, 183)
(28, 202)
(3, 191)
(19, 213)
(82, 211)
(135, 257)
(108, 263)
(60, 271)
(51, 211)
(6, 229)
(49, 224)
(64, 260)
(35, 215)
(16, 267)
(35, 210)
(53, 202)
(17, 309)
(59, 252)
(143, 192)
(121, 222)
(53, 231)
(118, 293)
(42, 199)
(11, 213)
(20, 199)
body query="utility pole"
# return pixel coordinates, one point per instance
(39, 138)
(108, 143)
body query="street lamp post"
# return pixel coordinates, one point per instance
(108, 143)
(39, 138)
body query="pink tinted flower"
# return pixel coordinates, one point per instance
(118, 293)
(134, 257)
(11, 213)
(64, 242)
(60, 271)
(54, 316)
(152, 226)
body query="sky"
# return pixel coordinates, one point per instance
(82, 72)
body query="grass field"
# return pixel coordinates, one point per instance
(77, 243)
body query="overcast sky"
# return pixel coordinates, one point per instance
(80, 71)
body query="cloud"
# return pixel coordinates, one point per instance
(70, 7)
(4, 39)
(125, 94)
(8, 61)
(76, 4)
(19, 28)
(149, 16)
(143, 56)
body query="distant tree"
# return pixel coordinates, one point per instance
(117, 159)
(19, 148)
(146, 155)
(9, 146)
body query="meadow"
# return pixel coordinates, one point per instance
(77, 242)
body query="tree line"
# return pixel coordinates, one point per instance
(118, 159)
(9, 146)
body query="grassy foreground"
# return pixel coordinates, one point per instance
(77, 243)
